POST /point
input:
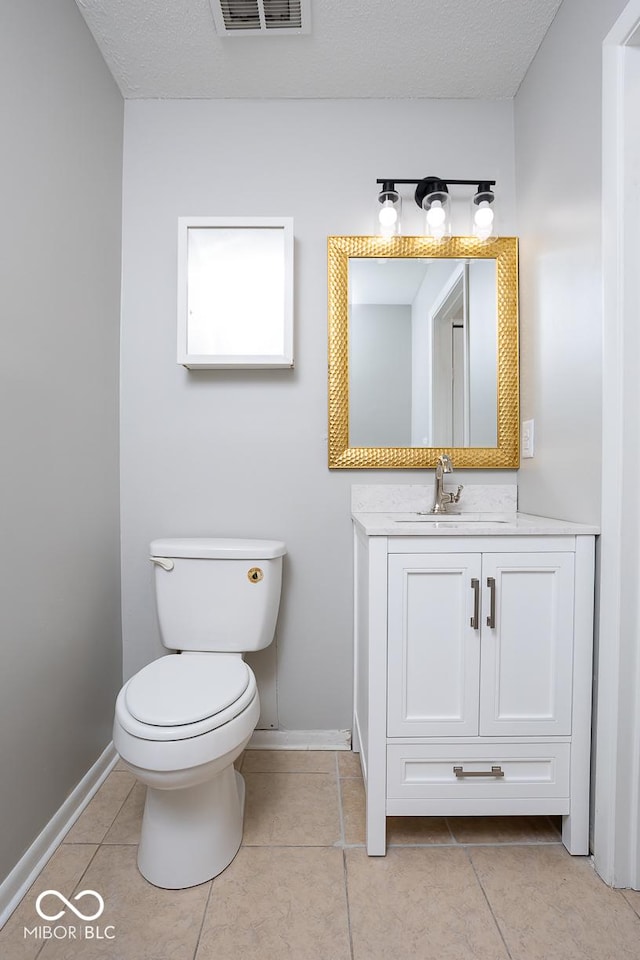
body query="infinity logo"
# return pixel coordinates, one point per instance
(78, 896)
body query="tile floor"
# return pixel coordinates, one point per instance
(302, 887)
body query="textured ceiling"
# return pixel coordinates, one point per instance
(357, 48)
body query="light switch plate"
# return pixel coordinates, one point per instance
(526, 445)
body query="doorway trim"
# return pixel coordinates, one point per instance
(616, 830)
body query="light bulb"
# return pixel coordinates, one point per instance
(484, 215)
(388, 211)
(483, 212)
(436, 214)
(388, 214)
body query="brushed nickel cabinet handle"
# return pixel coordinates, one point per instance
(491, 619)
(495, 771)
(475, 619)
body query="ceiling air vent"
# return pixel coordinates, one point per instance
(236, 18)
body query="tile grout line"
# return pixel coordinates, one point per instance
(403, 846)
(292, 773)
(346, 895)
(621, 891)
(115, 817)
(451, 833)
(120, 808)
(483, 843)
(487, 901)
(81, 877)
(554, 827)
(341, 842)
(344, 855)
(129, 792)
(204, 914)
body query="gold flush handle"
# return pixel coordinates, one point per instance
(255, 575)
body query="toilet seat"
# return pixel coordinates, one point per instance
(183, 696)
(176, 690)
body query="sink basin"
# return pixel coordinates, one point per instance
(454, 518)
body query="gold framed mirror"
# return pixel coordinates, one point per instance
(423, 352)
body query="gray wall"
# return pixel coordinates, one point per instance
(244, 453)
(558, 171)
(60, 169)
(380, 375)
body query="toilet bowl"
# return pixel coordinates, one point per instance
(182, 720)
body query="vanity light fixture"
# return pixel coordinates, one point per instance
(432, 196)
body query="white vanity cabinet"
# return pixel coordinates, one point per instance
(473, 665)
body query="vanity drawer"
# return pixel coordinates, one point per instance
(477, 770)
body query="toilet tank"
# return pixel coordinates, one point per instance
(217, 594)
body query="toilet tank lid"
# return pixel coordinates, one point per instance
(217, 548)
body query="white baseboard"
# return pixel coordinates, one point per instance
(13, 889)
(300, 740)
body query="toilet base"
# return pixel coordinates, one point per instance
(191, 835)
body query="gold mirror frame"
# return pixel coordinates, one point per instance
(504, 250)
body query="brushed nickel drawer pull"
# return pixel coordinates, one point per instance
(491, 619)
(475, 619)
(496, 771)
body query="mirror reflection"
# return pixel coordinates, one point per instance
(423, 343)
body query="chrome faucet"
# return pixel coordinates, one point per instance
(442, 497)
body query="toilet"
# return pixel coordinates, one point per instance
(182, 720)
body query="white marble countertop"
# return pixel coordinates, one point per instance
(475, 525)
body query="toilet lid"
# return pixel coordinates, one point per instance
(182, 689)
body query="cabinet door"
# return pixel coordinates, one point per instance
(527, 647)
(433, 649)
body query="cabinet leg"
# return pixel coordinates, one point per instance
(376, 830)
(377, 840)
(575, 835)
